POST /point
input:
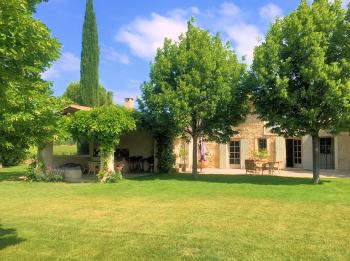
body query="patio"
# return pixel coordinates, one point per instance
(296, 173)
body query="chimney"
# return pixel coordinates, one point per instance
(129, 103)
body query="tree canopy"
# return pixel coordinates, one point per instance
(195, 84)
(90, 58)
(27, 49)
(300, 74)
(73, 93)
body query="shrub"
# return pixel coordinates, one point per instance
(38, 175)
(110, 176)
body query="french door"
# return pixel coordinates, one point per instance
(235, 154)
(293, 151)
(327, 153)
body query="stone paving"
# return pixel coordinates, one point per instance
(284, 173)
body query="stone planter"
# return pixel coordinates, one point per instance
(72, 175)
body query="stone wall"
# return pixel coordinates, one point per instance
(343, 144)
(249, 133)
(252, 130)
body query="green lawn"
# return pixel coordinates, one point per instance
(65, 149)
(173, 217)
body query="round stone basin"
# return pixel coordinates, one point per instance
(72, 174)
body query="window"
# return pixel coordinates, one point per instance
(262, 145)
(235, 152)
(325, 145)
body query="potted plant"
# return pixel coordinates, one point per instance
(183, 157)
(261, 155)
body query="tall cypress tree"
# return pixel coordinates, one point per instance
(89, 64)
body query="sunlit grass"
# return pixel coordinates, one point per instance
(173, 217)
(65, 149)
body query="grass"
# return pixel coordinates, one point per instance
(64, 149)
(172, 217)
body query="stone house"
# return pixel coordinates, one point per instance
(252, 137)
(292, 152)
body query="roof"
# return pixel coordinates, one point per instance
(74, 108)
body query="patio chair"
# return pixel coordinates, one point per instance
(93, 168)
(253, 167)
(272, 167)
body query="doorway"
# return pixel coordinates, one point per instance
(293, 153)
(327, 153)
(235, 154)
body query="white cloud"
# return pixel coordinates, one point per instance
(229, 9)
(145, 35)
(270, 12)
(110, 54)
(246, 37)
(67, 63)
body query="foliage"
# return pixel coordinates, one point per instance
(26, 50)
(89, 77)
(35, 174)
(300, 75)
(183, 153)
(110, 176)
(261, 154)
(103, 126)
(195, 86)
(163, 128)
(13, 159)
(73, 93)
(165, 153)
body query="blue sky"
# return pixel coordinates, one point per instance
(130, 32)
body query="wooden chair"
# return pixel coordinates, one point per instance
(249, 167)
(253, 167)
(272, 167)
(93, 168)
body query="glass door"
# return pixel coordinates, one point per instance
(235, 154)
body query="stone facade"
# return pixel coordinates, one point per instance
(247, 140)
(249, 133)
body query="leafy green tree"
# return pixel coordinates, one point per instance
(26, 51)
(300, 76)
(195, 84)
(73, 93)
(90, 56)
(103, 126)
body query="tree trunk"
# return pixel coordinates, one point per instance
(40, 163)
(107, 159)
(195, 160)
(316, 158)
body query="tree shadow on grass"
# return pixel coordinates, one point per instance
(234, 179)
(11, 176)
(9, 237)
